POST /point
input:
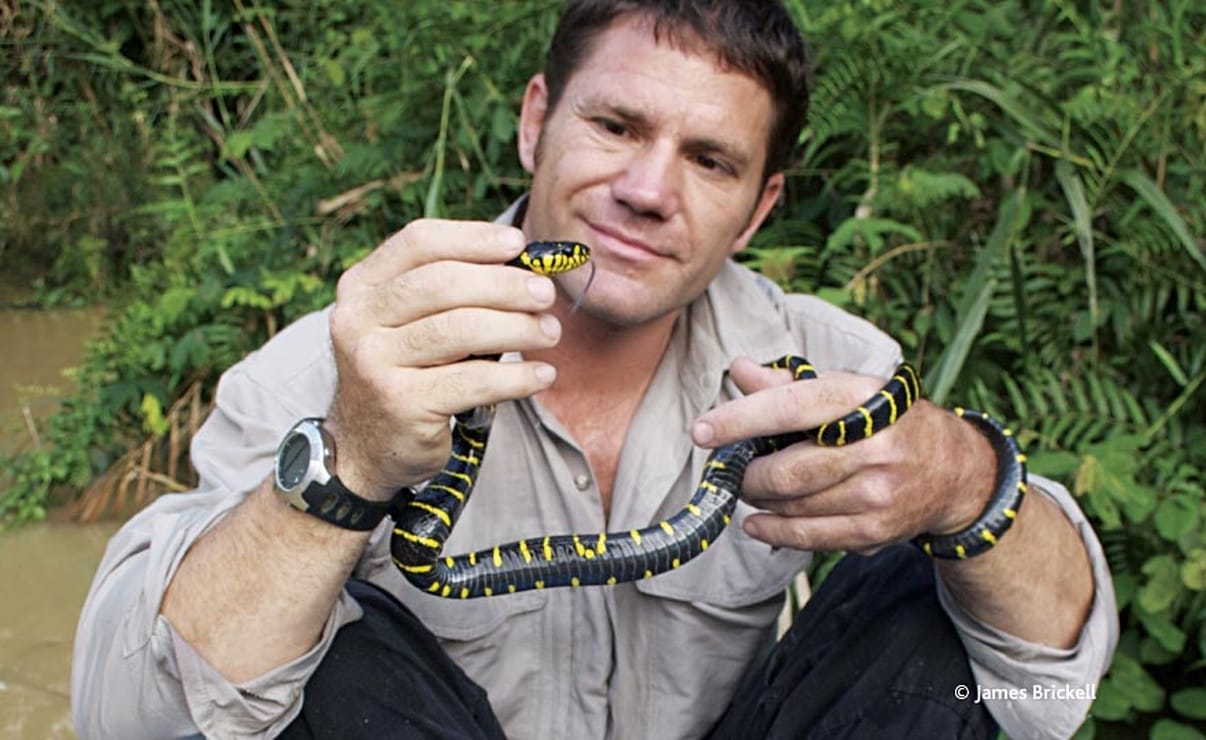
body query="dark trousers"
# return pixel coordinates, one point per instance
(872, 654)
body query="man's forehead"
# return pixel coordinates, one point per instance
(630, 70)
(636, 29)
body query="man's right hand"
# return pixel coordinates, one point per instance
(406, 317)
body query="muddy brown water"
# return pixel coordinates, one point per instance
(45, 569)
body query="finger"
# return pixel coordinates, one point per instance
(440, 286)
(451, 389)
(454, 335)
(800, 470)
(854, 496)
(792, 407)
(431, 240)
(864, 534)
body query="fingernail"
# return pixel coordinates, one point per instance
(550, 326)
(702, 432)
(545, 373)
(510, 239)
(541, 288)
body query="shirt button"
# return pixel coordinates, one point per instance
(582, 481)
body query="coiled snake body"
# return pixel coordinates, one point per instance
(423, 523)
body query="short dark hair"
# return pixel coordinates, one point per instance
(754, 37)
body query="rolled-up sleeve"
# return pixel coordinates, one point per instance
(1032, 690)
(133, 675)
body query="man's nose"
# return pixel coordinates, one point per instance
(651, 181)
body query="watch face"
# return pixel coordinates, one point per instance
(293, 461)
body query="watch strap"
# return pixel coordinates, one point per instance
(333, 502)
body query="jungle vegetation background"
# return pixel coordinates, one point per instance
(1014, 189)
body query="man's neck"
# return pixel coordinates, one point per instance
(603, 371)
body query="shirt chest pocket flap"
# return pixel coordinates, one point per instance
(470, 619)
(735, 571)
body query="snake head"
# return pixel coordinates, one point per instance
(552, 257)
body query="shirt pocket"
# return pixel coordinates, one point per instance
(454, 619)
(736, 570)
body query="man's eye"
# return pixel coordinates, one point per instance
(613, 127)
(712, 164)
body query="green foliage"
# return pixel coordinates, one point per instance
(1014, 190)
(1023, 211)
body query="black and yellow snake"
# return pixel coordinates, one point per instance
(423, 523)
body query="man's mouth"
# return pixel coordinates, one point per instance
(622, 245)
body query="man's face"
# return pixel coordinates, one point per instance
(654, 158)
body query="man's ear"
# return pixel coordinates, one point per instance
(531, 120)
(766, 201)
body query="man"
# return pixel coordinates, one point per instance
(657, 135)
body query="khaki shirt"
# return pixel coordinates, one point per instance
(659, 658)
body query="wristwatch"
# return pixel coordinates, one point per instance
(305, 478)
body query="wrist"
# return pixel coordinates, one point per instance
(974, 481)
(1009, 489)
(306, 477)
(355, 469)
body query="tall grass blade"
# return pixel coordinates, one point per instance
(1011, 107)
(1170, 363)
(1074, 192)
(1155, 197)
(435, 191)
(973, 306)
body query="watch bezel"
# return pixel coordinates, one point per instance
(320, 461)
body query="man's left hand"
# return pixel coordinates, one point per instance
(928, 472)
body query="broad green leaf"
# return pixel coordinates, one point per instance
(1170, 729)
(1176, 517)
(1088, 476)
(175, 300)
(1112, 704)
(237, 144)
(1193, 570)
(1160, 627)
(836, 296)
(1105, 509)
(1189, 702)
(1053, 464)
(335, 72)
(1152, 653)
(1129, 677)
(1163, 583)
(153, 420)
(1124, 589)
